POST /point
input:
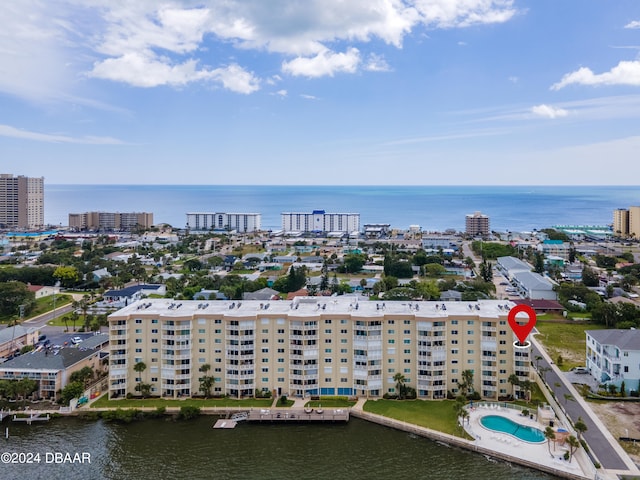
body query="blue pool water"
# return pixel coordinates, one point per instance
(505, 425)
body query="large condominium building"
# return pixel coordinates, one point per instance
(477, 224)
(239, 222)
(320, 221)
(621, 222)
(314, 346)
(21, 202)
(110, 221)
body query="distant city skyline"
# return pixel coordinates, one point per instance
(321, 92)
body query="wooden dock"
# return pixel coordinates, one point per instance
(225, 423)
(298, 415)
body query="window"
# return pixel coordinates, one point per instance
(454, 351)
(281, 379)
(265, 379)
(391, 332)
(469, 332)
(391, 322)
(392, 340)
(281, 340)
(201, 360)
(138, 340)
(202, 340)
(280, 370)
(344, 331)
(470, 322)
(503, 332)
(154, 340)
(281, 331)
(469, 342)
(503, 342)
(265, 330)
(138, 321)
(265, 350)
(327, 360)
(343, 340)
(201, 350)
(407, 350)
(626, 369)
(470, 361)
(454, 322)
(407, 370)
(265, 340)
(454, 370)
(155, 320)
(217, 321)
(217, 340)
(327, 321)
(265, 360)
(154, 330)
(327, 340)
(407, 322)
(327, 330)
(138, 330)
(343, 360)
(281, 350)
(407, 360)
(454, 342)
(138, 350)
(454, 332)
(218, 330)
(201, 330)
(344, 350)
(281, 360)
(407, 332)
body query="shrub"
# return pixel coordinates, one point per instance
(282, 400)
(188, 412)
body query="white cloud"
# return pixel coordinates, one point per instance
(633, 24)
(308, 97)
(324, 63)
(625, 73)
(12, 132)
(513, 79)
(548, 111)
(146, 43)
(376, 63)
(281, 93)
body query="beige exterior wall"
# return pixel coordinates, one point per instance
(313, 345)
(110, 220)
(21, 202)
(621, 222)
(634, 222)
(477, 224)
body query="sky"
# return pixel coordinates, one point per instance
(321, 92)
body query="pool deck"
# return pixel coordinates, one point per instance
(533, 452)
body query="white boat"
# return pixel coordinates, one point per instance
(240, 416)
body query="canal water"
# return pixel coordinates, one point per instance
(166, 449)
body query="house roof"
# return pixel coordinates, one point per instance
(262, 294)
(513, 264)
(533, 281)
(303, 292)
(34, 288)
(540, 304)
(8, 334)
(129, 291)
(623, 339)
(95, 341)
(47, 360)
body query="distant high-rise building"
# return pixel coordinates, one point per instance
(21, 202)
(477, 224)
(110, 221)
(634, 222)
(319, 221)
(239, 222)
(621, 222)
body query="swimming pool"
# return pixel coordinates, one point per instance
(505, 425)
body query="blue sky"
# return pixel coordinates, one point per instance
(415, 92)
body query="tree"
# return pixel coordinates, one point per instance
(139, 368)
(399, 378)
(580, 427)
(574, 444)
(71, 391)
(24, 387)
(514, 381)
(12, 295)
(84, 375)
(206, 381)
(68, 276)
(590, 277)
(486, 271)
(549, 434)
(538, 263)
(353, 262)
(466, 386)
(526, 386)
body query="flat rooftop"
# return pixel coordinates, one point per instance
(314, 306)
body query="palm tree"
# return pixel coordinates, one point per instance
(139, 368)
(513, 380)
(527, 386)
(206, 381)
(549, 434)
(574, 444)
(399, 379)
(580, 427)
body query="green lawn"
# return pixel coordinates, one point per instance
(331, 402)
(104, 402)
(566, 339)
(435, 414)
(42, 305)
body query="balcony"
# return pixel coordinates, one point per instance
(120, 356)
(431, 378)
(119, 337)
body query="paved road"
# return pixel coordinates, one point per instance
(42, 320)
(598, 443)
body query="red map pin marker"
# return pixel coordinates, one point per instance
(522, 331)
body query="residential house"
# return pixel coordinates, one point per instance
(613, 356)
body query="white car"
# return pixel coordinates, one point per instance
(76, 340)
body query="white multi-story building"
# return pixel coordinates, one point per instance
(613, 356)
(239, 222)
(314, 346)
(320, 221)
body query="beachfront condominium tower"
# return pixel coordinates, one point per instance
(621, 222)
(314, 346)
(231, 222)
(112, 221)
(21, 202)
(320, 221)
(634, 222)
(477, 224)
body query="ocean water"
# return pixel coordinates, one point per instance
(434, 208)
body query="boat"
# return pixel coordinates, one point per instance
(308, 410)
(240, 416)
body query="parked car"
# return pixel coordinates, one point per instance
(580, 370)
(76, 340)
